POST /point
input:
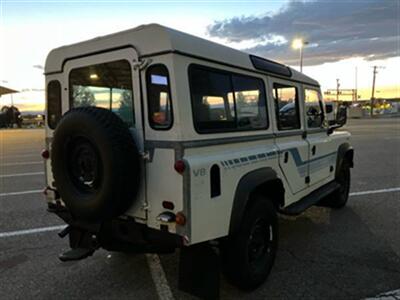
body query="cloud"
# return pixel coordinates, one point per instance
(336, 30)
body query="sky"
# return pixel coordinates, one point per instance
(342, 36)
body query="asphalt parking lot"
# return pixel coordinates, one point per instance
(353, 253)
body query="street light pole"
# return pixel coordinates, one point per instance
(299, 44)
(301, 59)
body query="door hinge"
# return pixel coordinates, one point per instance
(141, 64)
(145, 155)
(307, 179)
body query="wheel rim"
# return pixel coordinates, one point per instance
(84, 164)
(260, 243)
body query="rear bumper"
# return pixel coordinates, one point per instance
(118, 234)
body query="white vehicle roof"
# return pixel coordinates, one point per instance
(153, 38)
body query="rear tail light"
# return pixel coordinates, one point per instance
(45, 154)
(180, 166)
(168, 205)
(180, 219)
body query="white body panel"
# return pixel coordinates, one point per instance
(207, 217)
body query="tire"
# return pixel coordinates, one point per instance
(338, 199)
(95, 164)
(248, 256)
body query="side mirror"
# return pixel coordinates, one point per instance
(328, 108)
(341, 119)
(341, 116)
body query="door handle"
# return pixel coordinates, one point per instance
(286, 157)
(313, 150)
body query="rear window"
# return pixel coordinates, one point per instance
(224, 101)
(53, 103)
(107, 85)
(159, 97)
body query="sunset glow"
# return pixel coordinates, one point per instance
(24, 52)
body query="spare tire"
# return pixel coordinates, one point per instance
(95, 164)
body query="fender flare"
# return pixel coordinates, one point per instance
(244, 188)
(345, 151)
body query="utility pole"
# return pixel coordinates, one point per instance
(337, 89)
(375, 71)
(355, 83)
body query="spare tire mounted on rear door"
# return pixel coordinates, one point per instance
(95, 164)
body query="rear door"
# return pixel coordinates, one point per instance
(109, 80)
(293, 148)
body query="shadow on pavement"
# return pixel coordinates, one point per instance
(323, 254)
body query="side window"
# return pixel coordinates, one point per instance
(53, 103)
(107, 85)
(313, 109)
(250, 102)
(159, 97)
(286, 106)
(212, 99)
(222, 101)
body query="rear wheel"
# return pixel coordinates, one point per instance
(248, 256)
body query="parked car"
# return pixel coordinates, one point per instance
(158, 140)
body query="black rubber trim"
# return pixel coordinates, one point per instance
(311, 199)
(270, 66)
(245, 187)
(169, 95)
(344, 150)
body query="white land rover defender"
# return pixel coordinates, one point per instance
(158, 140)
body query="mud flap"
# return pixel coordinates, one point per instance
(199, 271)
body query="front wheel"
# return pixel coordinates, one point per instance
(338, 198)
(248, 256)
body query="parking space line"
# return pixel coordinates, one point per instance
(390, 190)
(21, 193)
(156, 270)
(23, 163)
(158, 275)
(21, 174)
(391, 295)
(31, 231)
(19, 156)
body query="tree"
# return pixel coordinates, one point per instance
(240, 99)
(82, 96)
(10, 115)
(125, 109)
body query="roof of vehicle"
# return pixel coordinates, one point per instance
(154, 38)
